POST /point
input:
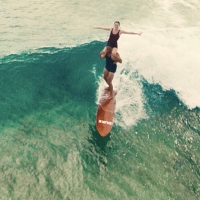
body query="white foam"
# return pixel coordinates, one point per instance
(130, 102)
(129, 99)
(169, 57)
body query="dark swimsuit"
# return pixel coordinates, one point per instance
(110, 66)
(112, 41)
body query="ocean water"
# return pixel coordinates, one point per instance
(50, 84)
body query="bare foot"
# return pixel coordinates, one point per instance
(110, 97)
(106, 88)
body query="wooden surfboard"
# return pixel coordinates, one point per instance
(105, 113)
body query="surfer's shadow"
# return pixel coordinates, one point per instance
(99, 147)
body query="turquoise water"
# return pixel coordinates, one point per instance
(51, 81)
(50, 148)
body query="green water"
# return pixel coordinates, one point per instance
(50, 148)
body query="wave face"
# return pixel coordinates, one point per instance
(51, 81)
(50, 147)
(167, 53)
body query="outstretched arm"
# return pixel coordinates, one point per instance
(102, 28)
(130, 32)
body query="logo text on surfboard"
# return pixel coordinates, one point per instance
(105, 122)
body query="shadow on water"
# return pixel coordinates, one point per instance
(95, 155)
(97, 140)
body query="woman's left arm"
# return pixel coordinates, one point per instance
(130, 32)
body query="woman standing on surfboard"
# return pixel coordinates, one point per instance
(114, 36)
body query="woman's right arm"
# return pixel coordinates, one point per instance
(102, 28)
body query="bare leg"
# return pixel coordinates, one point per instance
(105, 75)
(115, 55)
(114, 50)
(108, 77)
(103, 53)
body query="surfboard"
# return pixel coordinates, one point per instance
(105, 113)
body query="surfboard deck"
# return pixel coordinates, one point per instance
(105, 113)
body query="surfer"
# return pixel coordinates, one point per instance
(114, 36)
(110, 68)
